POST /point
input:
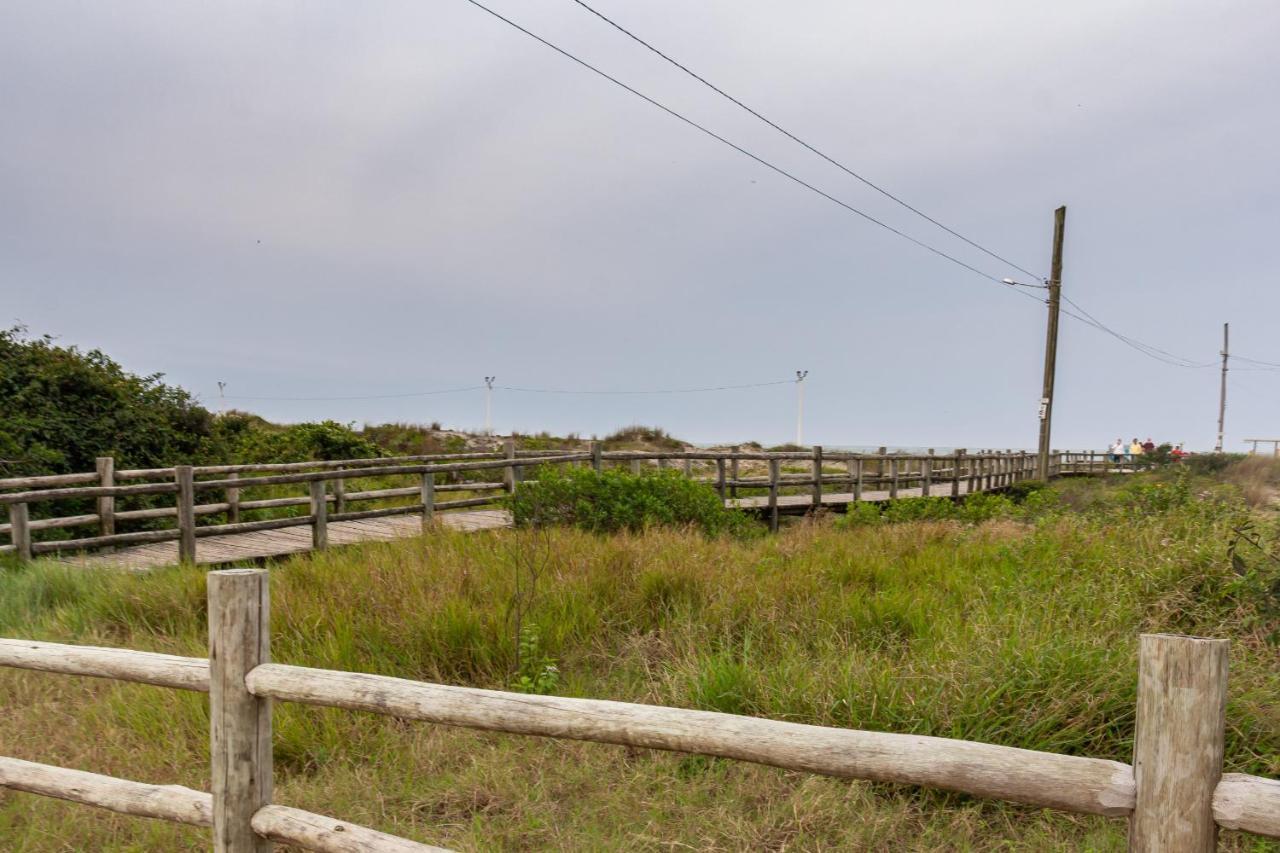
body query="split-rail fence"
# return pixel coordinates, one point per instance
(827, 479)
(1175, 794)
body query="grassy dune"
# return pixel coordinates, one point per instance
(1015, 631)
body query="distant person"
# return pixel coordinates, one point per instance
(1135, 448)
(1148, 446)
(1117, 451)
(1178, 453)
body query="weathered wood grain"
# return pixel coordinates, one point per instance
(1248, 803)
(329, 835)
(180, 673)
(164, 802)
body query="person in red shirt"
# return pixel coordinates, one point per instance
(1148, 446)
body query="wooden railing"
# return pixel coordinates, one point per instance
(1174, 793)
(328, 499)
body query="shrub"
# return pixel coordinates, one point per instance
(642, 436)
(304, 443)
(613, 500)
(861, 514)
(919, 509)
(984, 506)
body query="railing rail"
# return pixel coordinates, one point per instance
(830, 478)
(1176, 798)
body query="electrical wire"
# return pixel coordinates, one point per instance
(868, 182)
(648, 391)
(1146, 349)
(778, 169)
(360, 397)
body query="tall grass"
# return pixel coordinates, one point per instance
(1004, 631)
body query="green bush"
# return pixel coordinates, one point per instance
(919, 509)
(984, 506)
(613, 500)
(861, 514)
(303, 443)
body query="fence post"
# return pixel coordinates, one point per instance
(857, 480)
(239, 722)
(817, 476)
(339, 496)
(880, 452)
(957, 467)
(720, 477)
(688, 465)
(635, 467)
(893, 477)
(597, 456)
(1178, 746)
(509, 472)
(233, 500)
(319, 516)
(733, 471)
(926, 474)
(20, 531)
(773, 495)
(107, 503)
(428, 500)
(662, 463)
(185, 479)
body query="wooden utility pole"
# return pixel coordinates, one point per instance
(1051, 342)
(1222, 394)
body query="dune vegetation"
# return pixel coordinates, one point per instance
(1019, 629)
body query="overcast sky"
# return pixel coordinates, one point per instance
(349, 200)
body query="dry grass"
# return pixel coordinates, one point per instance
(1014, 633)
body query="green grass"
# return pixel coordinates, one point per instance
(1006, 631)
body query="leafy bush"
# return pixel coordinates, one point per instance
(303, 443)
(641, 436)
(984, 506)
(919, 509)
(1208, 464)
(861, 514)
(613, 500)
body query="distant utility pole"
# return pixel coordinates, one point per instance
(488, 404)
(1051, 342)
(1222, 394)
(800, 375)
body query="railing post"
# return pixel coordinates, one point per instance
(893, 477)
(880, 452)
(185, 480)
(857, 480)
(20, 531)
(926, 474)
(817, 476)
(956, 468)
(107, 503)
(597, 456)
(239, 722)
(662, 463)
(233, 500)
(733, 472)
(339, 495)
(688, 465)
(509, 472)
(720, 477)
(635, 467)
(428, 500)
(1178, 745)
(319, 516)
(773, 495)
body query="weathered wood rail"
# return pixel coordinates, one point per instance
(1174, 794)
(827, 479)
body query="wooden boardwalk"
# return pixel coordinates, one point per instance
(839, 500)
(248, 547)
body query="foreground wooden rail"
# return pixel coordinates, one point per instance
(1174, 794)
(827, 479)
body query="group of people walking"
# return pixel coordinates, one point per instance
(1121, 451)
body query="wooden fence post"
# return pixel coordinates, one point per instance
(1178, 746)
(509, 472)
(688, 465)
(635, 467)
(893, 477)
(926, 474)
(720, 477)
(233, 500)
(20, 531)
(319, 516)
(185, 479)
(239, 722)
(428, 500)
(817, 476)
(773, 495)
(107, 503)
(339, 495)
(857, 480)
(597, 456)
(956, 468)
(733, 471)
(880, 452)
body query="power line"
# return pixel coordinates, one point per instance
(647, 391)
(778, 169)
(361, 397)
(1146, 349)
(868, 182)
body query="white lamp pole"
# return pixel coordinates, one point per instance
(800, 375)
(488, 404)
(222, 397)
